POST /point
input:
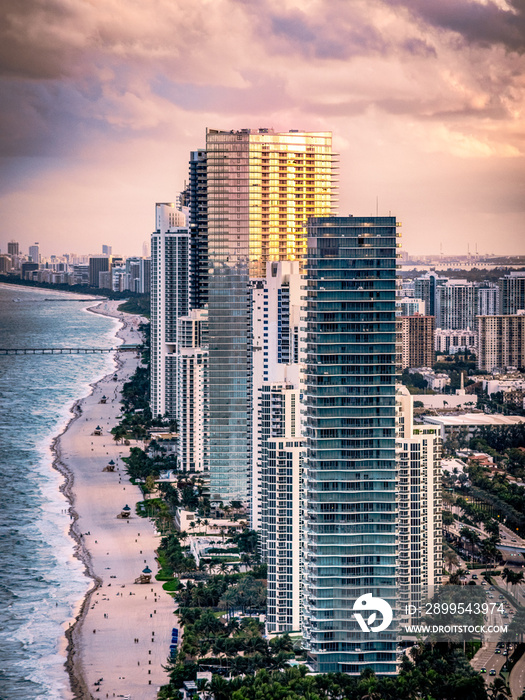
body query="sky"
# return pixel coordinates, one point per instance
(103, 100)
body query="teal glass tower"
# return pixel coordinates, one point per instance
(350, 546)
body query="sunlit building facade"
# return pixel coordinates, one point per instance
(261, 188)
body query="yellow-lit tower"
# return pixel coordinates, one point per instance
(262, 186)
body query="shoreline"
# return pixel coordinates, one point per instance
(73, 664)
(126, 664)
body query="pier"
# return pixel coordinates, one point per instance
(67, 351)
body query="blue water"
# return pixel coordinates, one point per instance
(41, 582)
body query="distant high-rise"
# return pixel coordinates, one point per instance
(456, 305)
(97, 264)
(261, 187)
(425, 288)
(350, 518)
(512, 292)
(170, 251)
(34, 253)
(501, 342)
(488, 300)
(106, 250)
(417, 341)
(13, 248)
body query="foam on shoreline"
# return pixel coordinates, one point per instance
(73, 663)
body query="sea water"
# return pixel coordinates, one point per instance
(41, 582)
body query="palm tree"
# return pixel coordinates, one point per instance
(451, 559)
(455, 578)
(507, 575)
(499, 690)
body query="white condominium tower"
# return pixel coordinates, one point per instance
(170, 250)
(192, 391)
(419, 503)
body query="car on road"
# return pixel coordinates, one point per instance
(498, 651)
(492, 672)
(474, 576)
(483, 670)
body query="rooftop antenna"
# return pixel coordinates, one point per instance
(441, 249)
(468, 250)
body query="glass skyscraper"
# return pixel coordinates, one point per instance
(261, 187)
(350, 546)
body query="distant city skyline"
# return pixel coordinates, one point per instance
(102, 104)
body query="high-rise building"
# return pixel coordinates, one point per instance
(197, 202)
(501, 342)
(261, 188)
(170, 251)
(97, 264)
(192, 391)
(512, 292)
(350, 531)
(13, 248)
(408, 306)
(34, 253)
(5, 263)
(456, 305)
(419, 524)
(276, 314)
(425, 288)
(417, 341)
(107, 250)
(488, 300)
(281, 480)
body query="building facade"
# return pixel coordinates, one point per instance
(512, 293)
(350, 538)
(456, 305)
(261, 187)
(192, 391)
(417, 341)
(97, 264)
(280, 477)
(501, 342)
(420, 523)
(276, 354)
(451, 342)
(170, 251)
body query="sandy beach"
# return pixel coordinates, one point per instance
(123, 630)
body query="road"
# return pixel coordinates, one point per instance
(517, 679)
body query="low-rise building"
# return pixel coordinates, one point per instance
(454, 341)
(471, 422)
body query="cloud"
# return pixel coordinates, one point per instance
(483, 23)
(408, 81)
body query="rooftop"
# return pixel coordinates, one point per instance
(475, 419)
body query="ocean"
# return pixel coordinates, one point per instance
(41, 583)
